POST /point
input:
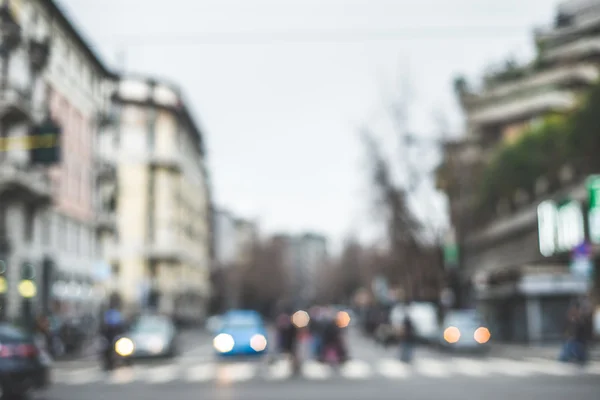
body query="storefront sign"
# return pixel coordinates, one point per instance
(593, 187)
(561, 228)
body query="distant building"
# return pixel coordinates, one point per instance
(225, 235)
(304, 255)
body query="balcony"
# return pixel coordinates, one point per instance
(25, 184)
(169, 161)
(525, 108)
(105, 169)
(586, 74)
(15, 106)
(577, 50)
(106, 221)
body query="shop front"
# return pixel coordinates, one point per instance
(528, 268)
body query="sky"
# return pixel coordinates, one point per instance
(283, 87)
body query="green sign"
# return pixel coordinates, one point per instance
(593, 187)
(451, 255)
(560, 227)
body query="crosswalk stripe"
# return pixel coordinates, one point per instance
(509, 367)
(162, 374)
(123, 376)
(432, 368)
(389, 368)
(356, 369)
(78, 377)
(279, 370)
(201, 373)
(228, 373)
(551, 367)
(469, 367)
(315, 370)
(393, 369)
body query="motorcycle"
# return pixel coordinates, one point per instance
(116, 352)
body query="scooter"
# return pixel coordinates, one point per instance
(116, 353)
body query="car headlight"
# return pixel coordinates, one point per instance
(258, 343)
(482, 335)
(124, 347)
(452, 334)
(223, 343)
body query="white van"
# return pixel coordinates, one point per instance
(424, 317)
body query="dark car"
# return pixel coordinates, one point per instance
(464, 331)
(24, 367)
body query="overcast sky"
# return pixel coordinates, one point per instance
(281, 87)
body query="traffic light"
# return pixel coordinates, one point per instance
(3, 281)
(27, 272)
(27, 287)
(45, 141)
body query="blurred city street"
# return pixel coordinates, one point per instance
(373, 372)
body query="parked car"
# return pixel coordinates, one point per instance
(466, 331)
(24, 366)
(153, 336)
(242, 332)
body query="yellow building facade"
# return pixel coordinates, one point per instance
(161, 256)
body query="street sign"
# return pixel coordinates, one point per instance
(561, 228)
(582, 267)
(593, 187)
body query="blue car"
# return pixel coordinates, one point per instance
(242, 333)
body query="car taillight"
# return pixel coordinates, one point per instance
(27, 350)
(6, 351)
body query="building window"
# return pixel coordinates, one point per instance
(82, 185)
(63, 232)
(29, 224)
(46, 226)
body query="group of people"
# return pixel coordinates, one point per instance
(324, 331)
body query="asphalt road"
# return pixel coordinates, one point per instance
(373, 374)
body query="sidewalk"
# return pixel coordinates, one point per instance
(548, 351)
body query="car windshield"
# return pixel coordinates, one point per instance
(240, 322)
(9, 333)
(466, 320)
(151, 325)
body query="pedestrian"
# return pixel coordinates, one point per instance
(578, 335)
(407, 339)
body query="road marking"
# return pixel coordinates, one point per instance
(469, 367)
(509, 367)
(79, 377)
(239, 372)
(122, 376)
(394, 369)
(279, 370)
(315, 370)
(161, 374)
(551, 367)
(432, 368)
(356, 369)
(201, 373)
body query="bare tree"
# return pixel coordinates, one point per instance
(264, 280)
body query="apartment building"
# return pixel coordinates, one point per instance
(52, 222)
(162, 257)
(523, 291)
